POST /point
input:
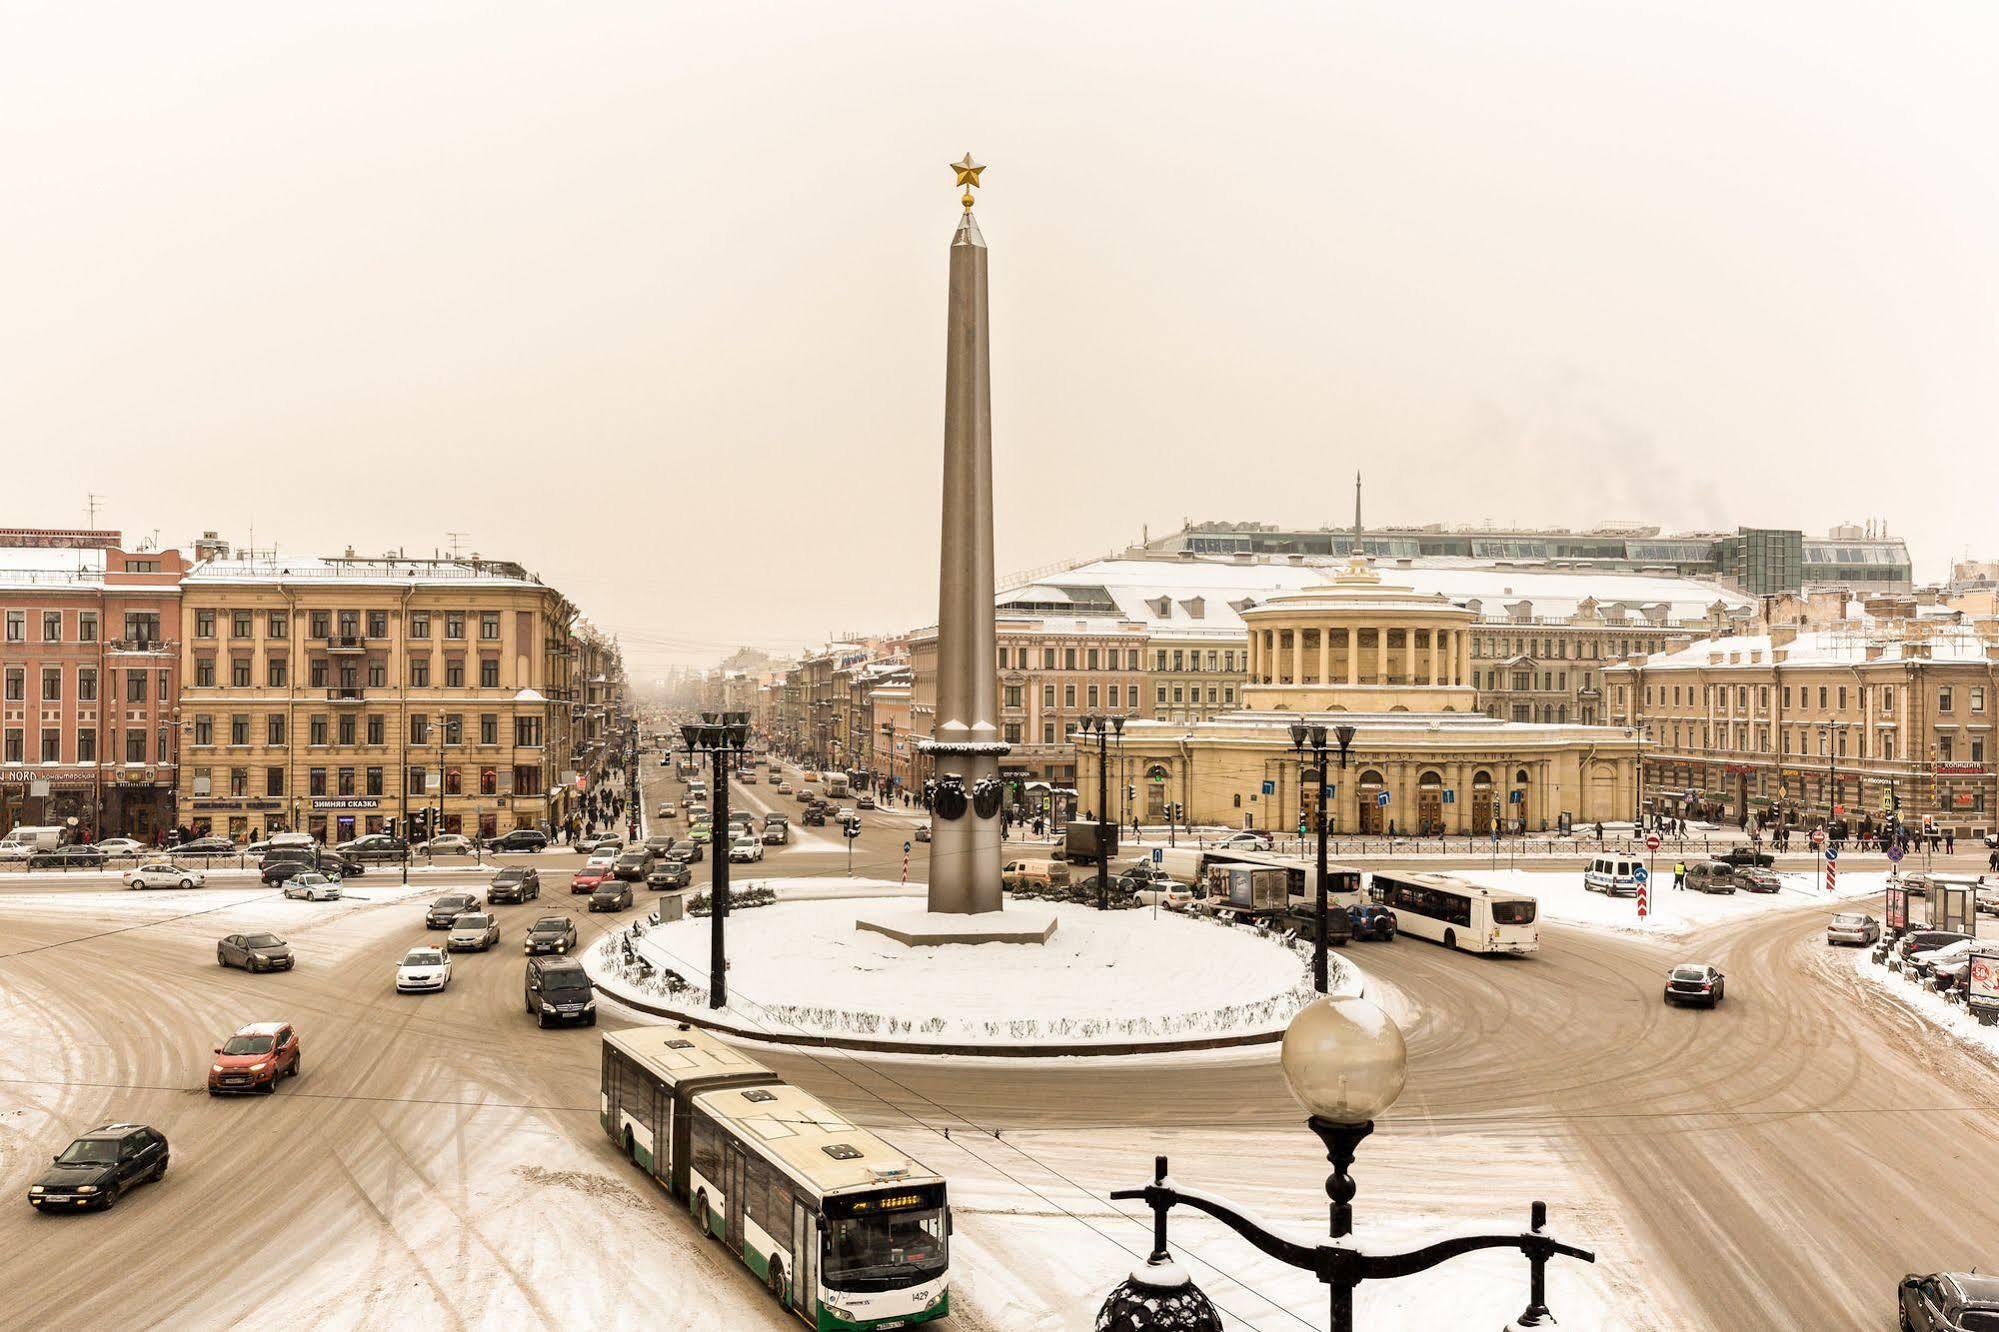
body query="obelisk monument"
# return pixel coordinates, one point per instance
(965, 745)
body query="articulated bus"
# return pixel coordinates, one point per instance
(845, 1231)
(1457, 914)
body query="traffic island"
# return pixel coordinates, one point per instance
(923, 929)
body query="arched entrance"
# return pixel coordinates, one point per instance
(1155, 793)
(1517, 801)
(1373, 818)
(1429, 804)
(1481, 802)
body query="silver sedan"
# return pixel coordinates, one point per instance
(1852, 927)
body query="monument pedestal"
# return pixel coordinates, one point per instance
(920, 929)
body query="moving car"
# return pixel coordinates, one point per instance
(282, 862)
(589, 879)
(206, 846)
(701, 832)
(744, 849)
(558, 990)
(668, 810)
(633, 865)
(690, 852)
(1371, 920)
(784, 788)
(68, 858)
(254, 1059)
(1711, 876)
(514, 884)
(1852, 927)
(1694, 983)
(423, 968)
(100, 1167)
(1303, 919)
(1949, 1302)
(1246, 841)
(922, 832)
(474, 931)
(519, 839)
(450, 844)
(776, 833)
(550, 934)
(254, 952)
(313, 886)
(611, 895)
(815, 817)
(1743, 855)
(120, 848)
(374, 846)
(660, 843)
(449, 908)
(602, 860)
(864, 802)
(163, 874)
(597, 842)
(669, 873)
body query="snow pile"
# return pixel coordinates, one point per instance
(1564, 900)
(802, 968)
(1928, 1004)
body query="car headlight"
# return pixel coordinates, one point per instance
(85, 1188)
(34, 1188)
(215, 1068)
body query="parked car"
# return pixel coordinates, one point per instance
(514, 884)
(1371, 920)
(283, 862)
(633, 865)
(11, 850)
(450, 844)
(254, 952)
(374, 846)
(922, 832)
(1303, 919)
(1756, 879)
(558, 990)
(1246, 841)
(99, 1168)
(589, 879)
(519, 839)
(550, 934)
(1853, 927)
(206, 846)
(1745, 855)
(164, 874)
(1711, 876)
(312, 886)
(422, 969)
(1695, 983)
(669, 874)
(69, 858)
(1615, 876)
(611, 895)
(745, 849)
(449, 908)
(254, 1059)
(123, 848)
(475, 931)
(1949, 1302)
(1920, 941)
(1924, 965)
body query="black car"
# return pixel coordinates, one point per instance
(611, 895)
(1743, 855)
(449, 908)
(254, 952)
(687, 853)
(1371, 920)
(285, 861)
(551, 934)
(633, 865)
(661, 843)
(1695, 983)
(69, 857)
(814, 816)
(1921, 941)
(206, 846)
(514, 885)
(98, 1168)
(519, 839)
(375, 846)
(1949, 1302)
(669, 873)
(558, 990)
(1304, 919)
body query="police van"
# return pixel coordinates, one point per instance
(1614, 875)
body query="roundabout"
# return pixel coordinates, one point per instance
(1116, 982)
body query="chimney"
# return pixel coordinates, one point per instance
(1783, 635)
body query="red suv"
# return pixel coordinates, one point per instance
(588, 880)
(254, 1059)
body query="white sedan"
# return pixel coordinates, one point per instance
(423, 969)
(450, 844)
(16, 850)
(120, 847)
(164, 874)
(313, 887)
(603, 860)
(745, 848)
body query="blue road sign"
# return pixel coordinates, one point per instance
(1270, 788)
(1158, 854)
(1894, 853)
(905, 848)
(1382, 800)
(1832, 853)
(1450, 796)
(1641, 875)
(1514, 797)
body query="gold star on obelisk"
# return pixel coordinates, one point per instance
(968, 176)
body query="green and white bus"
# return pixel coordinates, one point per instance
(845, 1231)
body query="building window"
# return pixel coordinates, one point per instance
(239, 672)
(315, 731)
(1977, 750)
(489, 626)
(1048, 659)
(377, 729)
(527, 732)
(204, 729)
(1068, 659)
(239, 729)
(204, 624)
(239, 782)
(1888, 746)
(1159, 659)
(1090, 658)
(1090, 696)
(378, 674)
(374, 782)
(1048, 733)
(315, 673)
(489, 781)
(1943, 699)
(418, 781)
(274, 672)
(419, 623)
(454, 672)
(86, 626)
(419, 672)
(1944, 748)
(454, 729)
(135, 746)
(13, 746)
(1048, 696)
(86, 684)
(345, 729)
(1013, 733)
(1822, 698)
(274, 729)
(1013, 696)
(346, 782)
(315, 782)
(489, 672)
(1114, 698)
(489, 728)
(350, 624)
(454, 624)
(1162, 695)
(454, 781)
(241, 624)
(1068, 696)
(204, 673)
(1842, 698)
(51, 746)
(1977, 698)
(277, 625)
(86, 744)
(419, 729)
(52, 626)
(274, 781)
(51, 684)
(378, 624)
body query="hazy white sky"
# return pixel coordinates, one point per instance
(650, 296)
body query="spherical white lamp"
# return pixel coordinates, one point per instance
(1344, 1059)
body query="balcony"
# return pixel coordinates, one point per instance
(347, 643)
(346, 694)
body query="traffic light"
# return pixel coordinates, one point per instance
(1130, 792)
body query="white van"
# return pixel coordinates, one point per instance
(1042, 874)
(1615, 875)
(46, 838)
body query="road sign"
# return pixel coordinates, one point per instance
(905, 848)
(1641, 876)
(1832, 853)
(1651, 841)
(1382, 800)
(1888, 800)
(1818, 837)
(1158, 855)
(1644, 900)
(1515, 797)
(1839, 811)
(1831, 871)
(1894, 852)
(1270, 788)
(1450, 796)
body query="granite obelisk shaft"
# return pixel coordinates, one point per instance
(965, 742)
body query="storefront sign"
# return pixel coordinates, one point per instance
(53, 776)
(1960, 769)
(232, 805)
(347, 802)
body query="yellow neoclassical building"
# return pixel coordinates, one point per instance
(1394, 664)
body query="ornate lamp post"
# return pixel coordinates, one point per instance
(1102, 728)
(722, 738)
(1346, 1063)
(888, 762)
(1313, 738)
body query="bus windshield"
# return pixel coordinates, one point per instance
(1513, 913)
(882, 1250)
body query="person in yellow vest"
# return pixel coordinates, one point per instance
(1679, 874)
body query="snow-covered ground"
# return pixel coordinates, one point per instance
(1563, 899)
(1928, 1005)
(801, 967)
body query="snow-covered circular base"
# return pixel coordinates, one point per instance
(1122, 979)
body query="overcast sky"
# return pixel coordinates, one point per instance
(650, 296)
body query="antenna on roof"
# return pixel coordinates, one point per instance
(1356, 511)
(457, 539)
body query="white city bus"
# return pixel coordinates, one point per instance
(845, 1231)
(1446, 909)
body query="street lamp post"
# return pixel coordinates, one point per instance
(888, 763)
(721, 739)
(1346, 1063)
(1102, 728)
(1305, 737)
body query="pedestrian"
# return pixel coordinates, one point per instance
(1679, 874)
(1599, 832)
(1950, 842)
(1992, 862)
